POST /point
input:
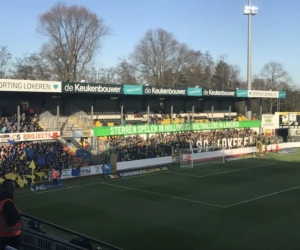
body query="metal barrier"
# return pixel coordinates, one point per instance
(82, 119)
(32, 240)
(293, 139)
(61, 240)
(48, 120)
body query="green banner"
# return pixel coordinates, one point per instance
(167, 128)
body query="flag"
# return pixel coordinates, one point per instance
(87, 155)
(11, 176)
(11, 142)
(79, 153)
(30, 153)
(22, 156)
(20, 181)
(41, 160)
(49, 158)
(32, 165)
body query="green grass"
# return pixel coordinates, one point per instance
(246, 204)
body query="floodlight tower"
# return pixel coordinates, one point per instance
(249, 11)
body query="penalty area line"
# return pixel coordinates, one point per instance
(220, 173)
(263, 196)
(164, 195)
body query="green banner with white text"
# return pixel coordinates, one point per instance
(168, 128)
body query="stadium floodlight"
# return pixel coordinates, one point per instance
(249, 10)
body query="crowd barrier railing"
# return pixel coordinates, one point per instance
(82, 119)
(32, 240)
(48, 120)
(46, 241)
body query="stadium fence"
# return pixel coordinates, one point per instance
(35, 240)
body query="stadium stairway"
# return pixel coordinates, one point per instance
(73, 142)
(66, 125)
(53, 236)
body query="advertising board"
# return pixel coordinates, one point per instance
(85, 171)
(215, 92)
(132, 89)
(41, 187)
(91, 88)
(13, 85)
(30, 136)
(165, 91)
(167, 128)
(270, 121)
(263, 94)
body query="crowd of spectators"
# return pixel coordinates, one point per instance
(16, 157)
(138, 117)
(27, 124)
(140, 147)
(28, 120)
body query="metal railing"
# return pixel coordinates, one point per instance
(32, 240)
(293, 138)
(48, 120)
(82, 119)
(67, 144)
(60, 235)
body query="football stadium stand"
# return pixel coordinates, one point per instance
(55, 129)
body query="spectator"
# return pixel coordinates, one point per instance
(10, 217)
(137, 147)
(27, 124)
(75, 241)
(16, 158)
(36, 226)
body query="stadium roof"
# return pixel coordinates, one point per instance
(28, 86)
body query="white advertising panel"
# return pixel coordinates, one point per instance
(13, 85)
(263, 94)
(270, 121)
(30, 136)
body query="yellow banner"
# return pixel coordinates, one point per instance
(41, 176)
(86, 133)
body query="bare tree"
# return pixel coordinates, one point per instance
(233, 79)
(31, 67)
(199, 70)
(126, 73)
(108, 76)
(209, 69)
(273, 73)
(5, 56)
(74, 35)
(160, 58)
(222, 74)
(258, 83)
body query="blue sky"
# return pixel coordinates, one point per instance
(217, 26)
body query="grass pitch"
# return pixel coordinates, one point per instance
(244, 204)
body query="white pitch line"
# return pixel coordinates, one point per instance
(263, 196)
(138, 176)
(164, 195)
(112, 180)
(225, 172)
(124, 187)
